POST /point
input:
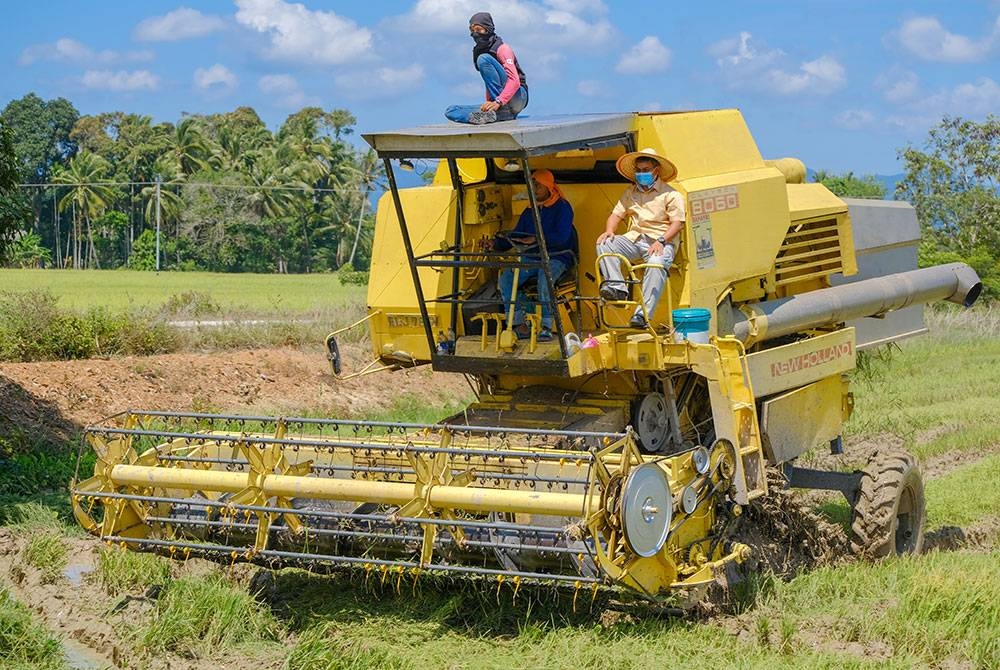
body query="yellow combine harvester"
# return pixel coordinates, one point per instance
(608, 456)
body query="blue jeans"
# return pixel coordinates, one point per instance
(556, 266)
(495, 78)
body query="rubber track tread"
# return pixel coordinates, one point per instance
(883, 480)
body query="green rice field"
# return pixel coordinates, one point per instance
(244, 293)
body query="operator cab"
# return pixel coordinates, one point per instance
(441, 243)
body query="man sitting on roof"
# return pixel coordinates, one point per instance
(557, 226)
(506, 86)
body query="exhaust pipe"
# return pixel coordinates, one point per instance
(955, 282)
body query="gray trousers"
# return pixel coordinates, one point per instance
(653, 279)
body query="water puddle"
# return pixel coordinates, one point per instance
(75, 572)
(81, 657)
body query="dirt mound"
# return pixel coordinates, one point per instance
(787, 536)
(61, 396)
(982, 535)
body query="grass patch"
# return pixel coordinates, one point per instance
(443, 624)
(319, 648)
(928, 609)
(939, 392)
(33, 517)
(203, 615)
(33, 327)
(965, 495)
(228, 292)
(36, 326)
(24, 643)
(46, 552)
(34, 472)
(45, 549)
(120, 570)
(414, 408)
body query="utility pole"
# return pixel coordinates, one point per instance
(158, 180)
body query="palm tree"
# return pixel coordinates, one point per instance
(88, 197)
(170, 201)
(274, 190)
(315, 161)
(369, 175)
(188, 149)
(237, 151)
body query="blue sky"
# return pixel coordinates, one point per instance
(842, 85)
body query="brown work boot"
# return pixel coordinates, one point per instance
(612, 293)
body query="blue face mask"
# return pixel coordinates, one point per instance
(644, 179)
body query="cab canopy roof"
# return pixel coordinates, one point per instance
(528, 136)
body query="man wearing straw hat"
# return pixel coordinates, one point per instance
(655, 214)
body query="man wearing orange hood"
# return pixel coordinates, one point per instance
(557, 226)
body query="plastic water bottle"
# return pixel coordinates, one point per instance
(572, 343)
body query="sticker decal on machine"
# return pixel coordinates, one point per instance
(703, 205)
(704, 248)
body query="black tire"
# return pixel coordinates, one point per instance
(888, 516)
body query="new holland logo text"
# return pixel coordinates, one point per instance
(812, 359)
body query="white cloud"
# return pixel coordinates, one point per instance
(593, 6)
(898, 85)
(284, 89)
(543, 34)
(67, 50)
(925, 38)
(217, 79)
(748, 64)
(743, 50)
(649, 56)
(968, 100)
(823, 75)
(120, 81)
(181, 24)
(381, 83)
(277, 83)
(300, 35)
(553, 22)
(854, 119)
(590, 88)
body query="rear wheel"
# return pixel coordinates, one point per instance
(888, 516)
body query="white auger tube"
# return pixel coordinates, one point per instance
(955, 282)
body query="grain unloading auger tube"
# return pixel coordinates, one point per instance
(579, 509)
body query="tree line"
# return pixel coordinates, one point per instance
(233, 196)
(229, 194)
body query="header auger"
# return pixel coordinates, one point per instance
(608, 457)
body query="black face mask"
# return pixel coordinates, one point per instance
(482, 39)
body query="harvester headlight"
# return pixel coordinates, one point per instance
(646, 509)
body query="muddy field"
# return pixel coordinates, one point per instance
(56, 399)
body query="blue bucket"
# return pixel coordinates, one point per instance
(691, 324)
